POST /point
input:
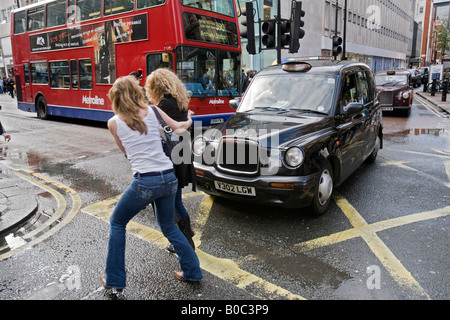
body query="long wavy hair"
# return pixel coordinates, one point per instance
(127, 100)
(163, 81)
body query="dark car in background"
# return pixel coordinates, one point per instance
(424, 74)
(416, 78)
(300, 130)
(394, 90)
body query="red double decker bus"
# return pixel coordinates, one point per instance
(68, 53)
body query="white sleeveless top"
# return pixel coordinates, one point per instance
(145, 152)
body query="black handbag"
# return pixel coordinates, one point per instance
(169, 139)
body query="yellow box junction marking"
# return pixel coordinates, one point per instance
(225, 269)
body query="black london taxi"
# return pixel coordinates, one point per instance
(394, 90)
(300, 130)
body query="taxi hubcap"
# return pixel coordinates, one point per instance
(325, 187)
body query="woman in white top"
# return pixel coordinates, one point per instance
(135, 130)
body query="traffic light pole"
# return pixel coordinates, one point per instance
(279, 32)
(344, 46)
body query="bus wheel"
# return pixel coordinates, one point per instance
(41, 108)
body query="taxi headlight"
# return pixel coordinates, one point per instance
(199, 146)
(406, 95)
(294, 157)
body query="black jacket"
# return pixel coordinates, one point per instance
(185, 173)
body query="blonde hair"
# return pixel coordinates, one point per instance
(163, 81)
(127, 100)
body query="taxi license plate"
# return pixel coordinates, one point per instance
(230, 188)
(388, 109)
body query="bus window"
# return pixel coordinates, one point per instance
(26, 73)
(141, 4)
(159, 60)
(89, 9)
(225, 7)
(59, 74)
(74, 74)
(208, 72)
(36, 18)
(20, 22)
(229, 70)
(56, 13)
(39, 73)
(85, 66)
(117, 6)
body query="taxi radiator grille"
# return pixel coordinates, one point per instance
(238, 156)
(386, 98)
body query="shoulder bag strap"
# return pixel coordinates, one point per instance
(166, 128)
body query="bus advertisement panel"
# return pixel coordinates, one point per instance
(68, 54)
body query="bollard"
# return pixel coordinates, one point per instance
(433, 87)
(444, 90)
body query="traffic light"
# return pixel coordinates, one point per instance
(268, 29)
(249, 33)
(297, 25)
(285, 34)
(337, 49)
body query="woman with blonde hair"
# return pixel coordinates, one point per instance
(135, 130)
(164, 88)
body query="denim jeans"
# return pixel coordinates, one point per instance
(161, 190)
(180, 210)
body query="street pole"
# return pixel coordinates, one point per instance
(336, 21)
(278, 23)
(344, 46)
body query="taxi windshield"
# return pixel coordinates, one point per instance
(290, 94)
(391, 80)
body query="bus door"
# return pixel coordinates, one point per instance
(27, 95)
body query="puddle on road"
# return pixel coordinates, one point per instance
(79, 180)
(421, 132)
(438, 138)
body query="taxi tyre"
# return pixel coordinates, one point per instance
(41, 108)
(323, 191)
(374, 154)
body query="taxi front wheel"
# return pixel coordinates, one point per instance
(324, 191)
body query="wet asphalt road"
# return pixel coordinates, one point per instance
(385, 236)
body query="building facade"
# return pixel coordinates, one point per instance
(379, 33)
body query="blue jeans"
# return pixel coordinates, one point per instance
(161, 190)
(180, 210)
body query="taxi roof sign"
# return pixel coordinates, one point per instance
(391, 72)
(297, 67)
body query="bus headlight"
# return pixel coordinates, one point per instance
(294, 157)
(198, 146)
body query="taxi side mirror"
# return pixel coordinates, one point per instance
(234, 104)
(351, 108)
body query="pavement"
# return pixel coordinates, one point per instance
(436, 100)
(17, 204)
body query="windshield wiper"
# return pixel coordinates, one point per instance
(311, 111)
(390, 83)
(269, 109)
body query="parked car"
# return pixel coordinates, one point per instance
(394, 90)
(300, 130)
(416, 79)
(424, 74)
